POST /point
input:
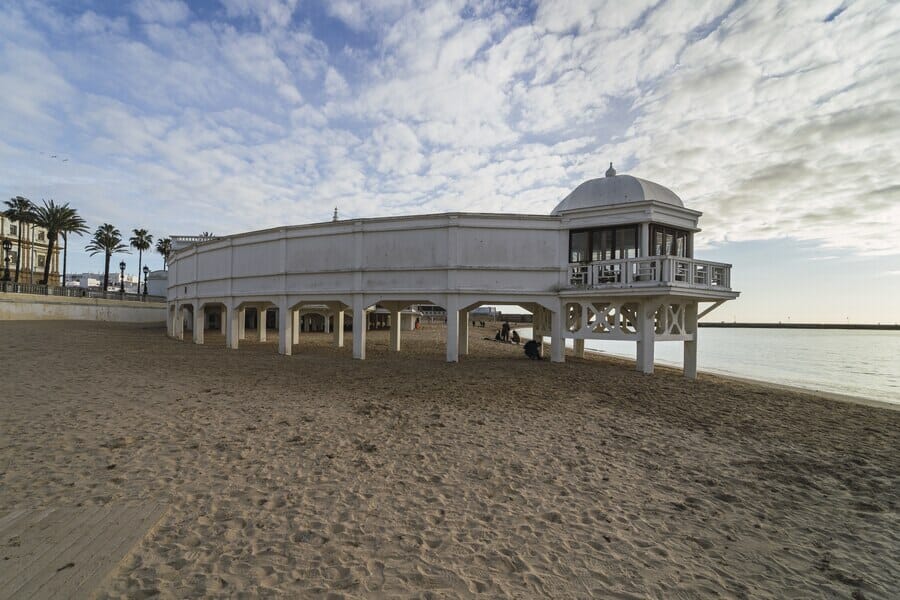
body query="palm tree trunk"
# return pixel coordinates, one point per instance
(140, 258)
(106, 274)
(65, 256)
(51, 242)
(19, 253)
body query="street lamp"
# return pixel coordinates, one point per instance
(122, 277)
(146, 273)
(7, 246)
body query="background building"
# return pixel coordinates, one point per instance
(34, 252)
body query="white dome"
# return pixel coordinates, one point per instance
(615, 189)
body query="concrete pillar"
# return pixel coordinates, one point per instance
(327, 319)
(359, 327)
(338, 328)
(464, 332)
(230, 317)
(242, 323)
(452, 328)
(395, 330)
(557, 341)
(199, 324)
(261, 323)
(285, 330)
(579, 348)
(645, 240)
(646, 337)
(178, 323)
(295, 326)
(690, 347)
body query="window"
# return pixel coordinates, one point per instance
(579, 246)
(40, 236)
(668, 241)
(13, 229)
(606, 243)
(41, 260)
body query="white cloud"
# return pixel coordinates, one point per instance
(168, 12)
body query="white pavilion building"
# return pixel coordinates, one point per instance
(613, 261)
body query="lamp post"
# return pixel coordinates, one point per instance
(146, 273)
(7, 246)
(122, 278)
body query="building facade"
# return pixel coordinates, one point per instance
(614, 260)
(33, 252)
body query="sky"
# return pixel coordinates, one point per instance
(780, 121)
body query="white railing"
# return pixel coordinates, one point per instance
(182, 241)
(653, 270)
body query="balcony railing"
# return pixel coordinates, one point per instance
(11, 287)
(650, 271)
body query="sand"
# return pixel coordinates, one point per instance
(403, 476)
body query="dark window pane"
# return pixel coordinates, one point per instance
(578, 246)
(658, 243)
(626, 242)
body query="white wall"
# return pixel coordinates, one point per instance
(28, 307)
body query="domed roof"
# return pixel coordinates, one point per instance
(615, 189)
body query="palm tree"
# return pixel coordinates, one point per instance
(56, 219)
(164, 247)
(20, 210)
(108, 240)
(140, 241)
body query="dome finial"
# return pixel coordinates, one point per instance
(610, 172)
(335, 216)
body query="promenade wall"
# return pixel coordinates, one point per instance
(32, 307)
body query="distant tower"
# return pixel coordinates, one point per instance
(334, 217)
(610, 172)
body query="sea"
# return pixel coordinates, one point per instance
(860, 363)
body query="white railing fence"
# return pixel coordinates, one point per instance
(653, 270)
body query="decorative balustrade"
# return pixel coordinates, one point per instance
(650, 271)
(11, 287)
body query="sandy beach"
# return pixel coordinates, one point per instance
(316, 475)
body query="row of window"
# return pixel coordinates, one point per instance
(613, 243)
(41, 260)
(39, 236)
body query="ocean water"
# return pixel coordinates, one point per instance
(856, 363)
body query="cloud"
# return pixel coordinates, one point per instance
(168, 12)
(773, 119)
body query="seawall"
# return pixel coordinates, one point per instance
(32, 307)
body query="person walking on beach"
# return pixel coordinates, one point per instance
(504, 331)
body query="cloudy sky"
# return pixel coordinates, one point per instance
(779, 120)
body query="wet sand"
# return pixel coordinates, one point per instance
(403, 476)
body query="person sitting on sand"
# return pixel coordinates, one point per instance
(532, 350)
(498, 337)
(515, 337)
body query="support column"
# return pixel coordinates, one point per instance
(339, 328)
(261, 323)
(464, 332)
(178, 323)
(579, 348)
(645, 240)
(452, 328)
(646, 337)
(242, 323)
(690, 347)
(285, 329)
(327, 319)
(199, 323)
(359, 327)
(295, 326)
(395, 330)
(557, 341)
(223, 313)
(230, 317)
